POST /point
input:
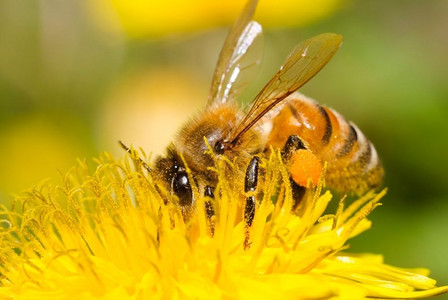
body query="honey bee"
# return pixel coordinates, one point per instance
(279, 117)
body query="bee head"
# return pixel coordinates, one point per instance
(171, 172)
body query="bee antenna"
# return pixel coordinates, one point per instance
(128, 150)
(122, 145)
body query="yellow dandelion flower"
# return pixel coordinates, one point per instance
(140, 19)
(110, 234)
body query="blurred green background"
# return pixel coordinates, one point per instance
(76, 76)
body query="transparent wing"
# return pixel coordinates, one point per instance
(305, 61)
(239, 57)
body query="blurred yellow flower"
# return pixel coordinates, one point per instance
(35, 148)
(109, 234)
(144, 109)
(140, 18)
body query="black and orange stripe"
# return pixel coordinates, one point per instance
(352, 161)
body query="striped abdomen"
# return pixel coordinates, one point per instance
(352, 161)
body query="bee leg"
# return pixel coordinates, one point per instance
(209, 210)
(249, 210)
(293, 144)
(298, 192)
(251, 179)
(250, 184)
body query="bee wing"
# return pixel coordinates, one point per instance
(239, 57)
(305, 61)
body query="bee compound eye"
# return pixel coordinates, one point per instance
(182, 189)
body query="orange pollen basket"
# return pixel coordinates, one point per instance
(305, 166)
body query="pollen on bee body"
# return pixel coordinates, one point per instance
(305, 166)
